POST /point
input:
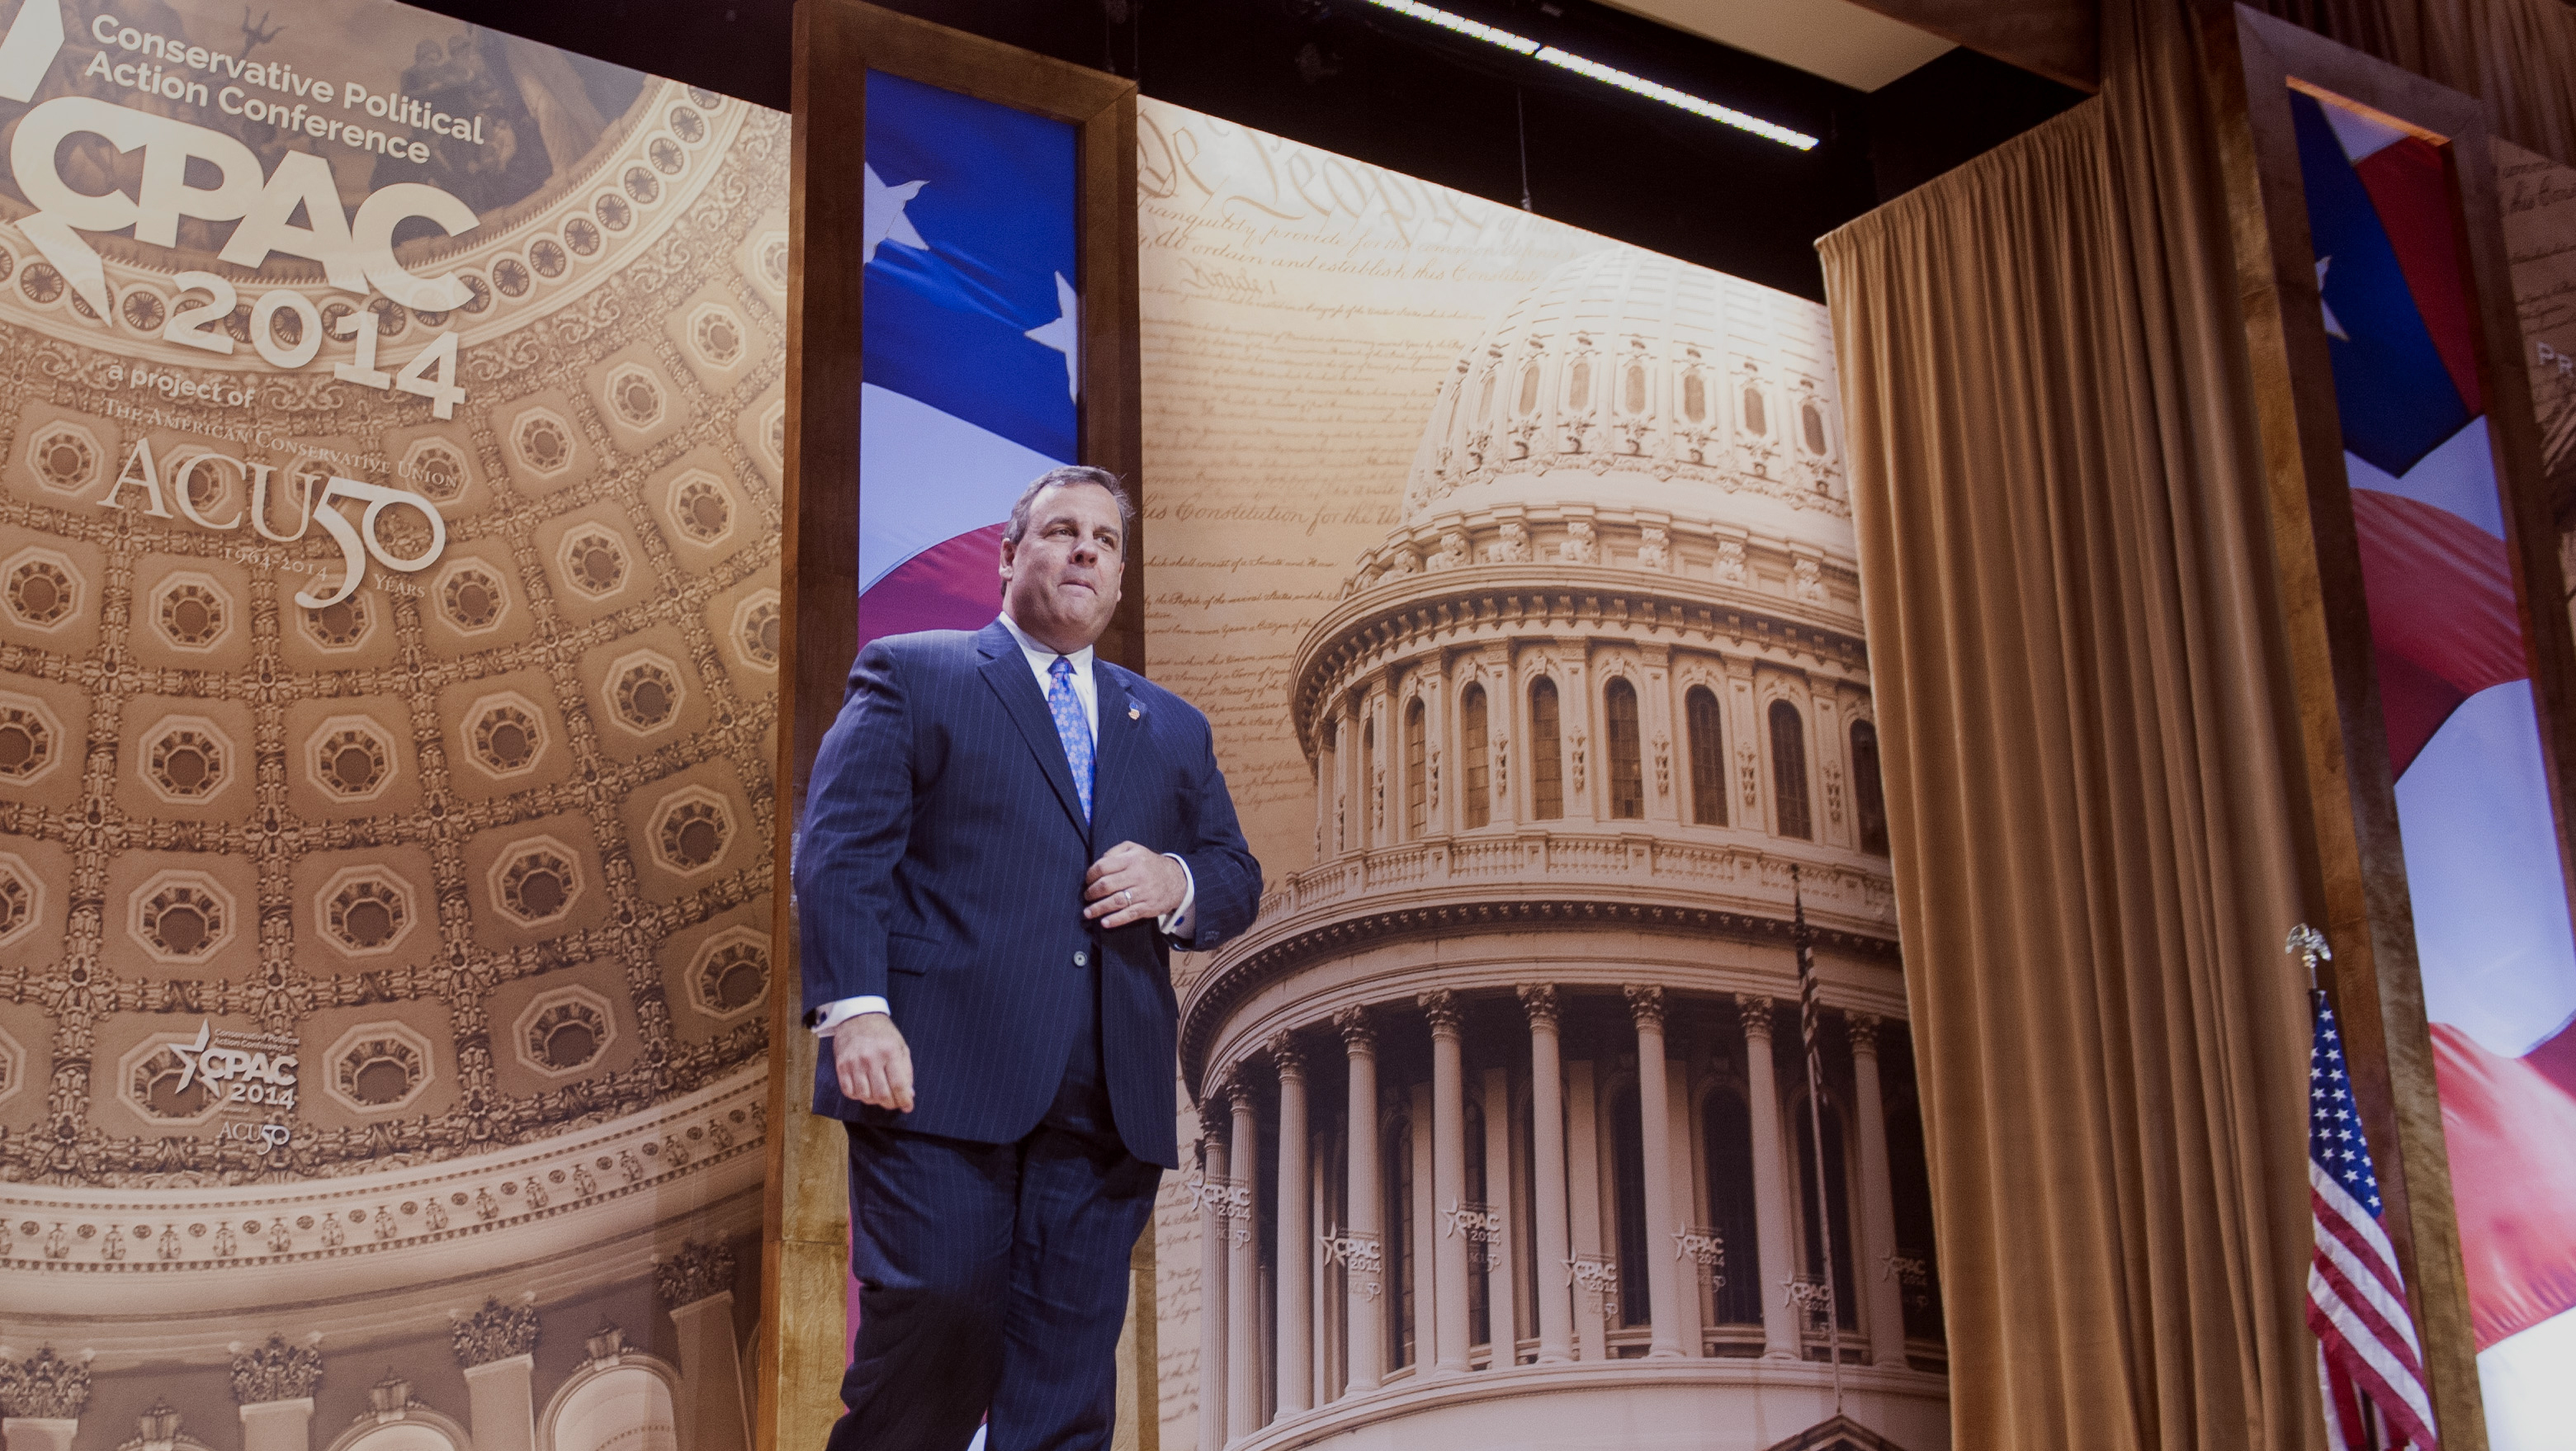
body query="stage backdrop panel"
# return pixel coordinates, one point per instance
(390, 453)
(1514, 567)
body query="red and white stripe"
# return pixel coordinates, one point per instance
(2366, 1346)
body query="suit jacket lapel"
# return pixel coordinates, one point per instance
(1120, 737)
(1007, 671)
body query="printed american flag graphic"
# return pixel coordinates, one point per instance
(2368, 1362)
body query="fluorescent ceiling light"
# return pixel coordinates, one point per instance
(1607, 75)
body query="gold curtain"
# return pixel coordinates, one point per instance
(2519, 56)
(2091, 770)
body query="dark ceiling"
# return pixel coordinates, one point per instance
(1351, 77)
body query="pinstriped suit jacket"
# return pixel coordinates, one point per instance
(940, 865)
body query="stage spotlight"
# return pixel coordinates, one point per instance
(1607, 75)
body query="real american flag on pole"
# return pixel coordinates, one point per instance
(2368, 1363)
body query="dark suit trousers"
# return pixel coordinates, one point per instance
(993, 1276)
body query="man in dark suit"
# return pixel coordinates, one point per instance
(1003, 841)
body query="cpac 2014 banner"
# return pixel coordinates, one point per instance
(390, 446)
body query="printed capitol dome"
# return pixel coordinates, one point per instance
(1668, 387)
(1506, 1133)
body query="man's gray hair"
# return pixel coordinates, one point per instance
(1059, 478)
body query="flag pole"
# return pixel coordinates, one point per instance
(1807, 1023)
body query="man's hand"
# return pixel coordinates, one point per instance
(873, 1062)
(1131, 884)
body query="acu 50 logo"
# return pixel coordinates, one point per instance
(356, 253)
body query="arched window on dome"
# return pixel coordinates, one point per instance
(1695, 396)
(1529, 389)
(1632, 389)
(1627, 774)
(1811, 1226)
(1485, 399)
(1546, 762)
(1909, 1185)
(1396, 1175)
(1628, 1190)
(1417, 815)
(1366, 833)
(1869, 796)
(1756, 418)
(1726, 1147)
(1476, 804)
(1480, 1299)
(1328, 785)
(1811, 427)
(1707, 756)
(614, 1408)
(1578, 386)
(1789, 770)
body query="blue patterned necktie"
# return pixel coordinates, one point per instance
(1071, 727)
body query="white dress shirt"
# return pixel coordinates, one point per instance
(1086, 689)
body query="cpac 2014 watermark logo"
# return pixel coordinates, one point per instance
(179, 160)
(236, 1071)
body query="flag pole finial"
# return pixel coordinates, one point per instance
(2311, 946)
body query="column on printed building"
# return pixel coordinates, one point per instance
(1571, 725)
(496, 1346)
(273, 1383)
(42, 1398)
(696, 1289)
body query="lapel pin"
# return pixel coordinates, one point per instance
(1134, 713)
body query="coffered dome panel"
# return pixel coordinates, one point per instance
(191, 613)
(594, 564)
(40, 741)
(43, 590)
(728, 975)
(716, 337)
(62, 456)
(745, 623)
(691, 829)
(473, 601)
(534, 880)
(181, 914)
(376, 1068)
(367, 908)
(184, 758)
(543, 443)
(573, 1023)
(564, 1031)
(638, 399)
(50, 590)
(33, 902)
(435, 466)
(647, 694)
(503, 736)
(356, 633)
(701, 510)
(351, 757)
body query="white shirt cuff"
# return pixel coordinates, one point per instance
(835, 1014)
(1176, 923)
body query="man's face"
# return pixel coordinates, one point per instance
(1061, 580)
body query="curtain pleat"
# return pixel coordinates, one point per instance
(2091, 766)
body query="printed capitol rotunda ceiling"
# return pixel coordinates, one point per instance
(353, 953)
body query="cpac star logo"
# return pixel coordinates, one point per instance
(35, 37)
(236, 1075)
(192, 1056)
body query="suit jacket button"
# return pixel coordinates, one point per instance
(1081, 959)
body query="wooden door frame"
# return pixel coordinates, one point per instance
(805, 1232)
